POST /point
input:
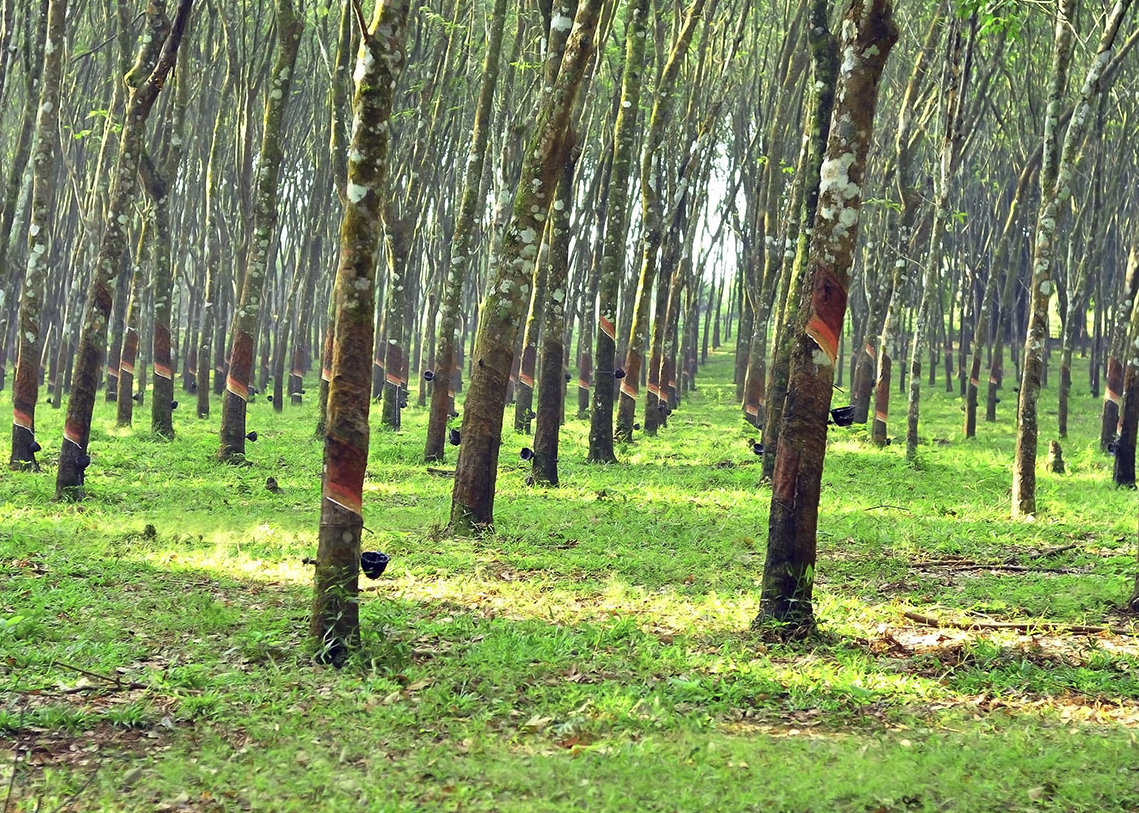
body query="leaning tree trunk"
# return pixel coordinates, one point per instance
(25, 391)
(335, 621)
(472, 500)
(824, 67)
(73, 458)
(1055, 190)
(290, 25)
(788, 575)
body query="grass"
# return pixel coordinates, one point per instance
(592, 654)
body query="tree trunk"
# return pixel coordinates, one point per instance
(472, 500)
(25, 391)
(551, 384)
(335, 621)
(616, 226)
(461, 262)
(1055, 190)
(789, 570)
(290, 26)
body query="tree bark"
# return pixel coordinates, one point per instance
(290, 26)
(616, 225)
(335, 620)
(868, 34)
(1055, 190)
(25, 390)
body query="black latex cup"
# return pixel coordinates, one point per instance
(373, 562)
(843, 416)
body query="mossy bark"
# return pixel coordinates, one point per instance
(1055, 191)
(604, 360)
(25, 391)
(461, 262)
(551, 382)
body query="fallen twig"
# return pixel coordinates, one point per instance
(970, 624)
(1045, 554)
(965, 564)
(118, 681)
(895, 507)
(441, 472)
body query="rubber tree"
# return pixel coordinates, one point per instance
(868, 35)
(551, 391)
(335, 620)
(74, 457)
(25, 391)
(472, 499)
(1055, 193)
(290, 26)
(460, 263)
(652, 219)
(615, 229)
(824, 71)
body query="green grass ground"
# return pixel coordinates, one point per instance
(593, 654)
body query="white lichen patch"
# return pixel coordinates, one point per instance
(561, 23)
(356, 192)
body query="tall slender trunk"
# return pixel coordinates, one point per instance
(1055, 190)
(460, 263)
(335, 621)
(616, 225)
(25, 391)
(290, 26)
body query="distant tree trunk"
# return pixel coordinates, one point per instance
(462, 261)
(128, 355)
(158, 184)
(399, 234)
(551, 389)
(472, 500)
(335, 621)
(524, 391)
(25, 391)
(652, 220)
(1113, 386)
(788, 576)
(616, 225)
(73, 458)
(290, 26)
(954, 79)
